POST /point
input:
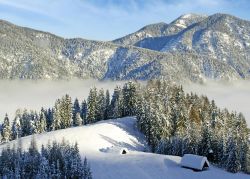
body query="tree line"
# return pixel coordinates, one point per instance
(56, 160)
(174, 122)
(65, 113)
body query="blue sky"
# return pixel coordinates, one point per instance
(109, 19)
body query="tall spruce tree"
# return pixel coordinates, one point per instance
(78, 120)
(83, 112)
(6, 130)
(232, 162)
(100, 105)
(91, 106)
(66, 112)
(116, 103)
(16, 128)
(129, 98)
(57, 119)
(76, 109)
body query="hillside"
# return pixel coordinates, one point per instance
(101, 141)
(191, 48)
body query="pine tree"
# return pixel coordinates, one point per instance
(129, 98)
(205, 145)
(78, 120)
(43, 170)
(33, 126)
(55, 171)
(56, 124)
(100, 105)
(242, 140)
(116, 103)
(86, 170)
(76, 109)
(84, 112)
(76, 168)
(16, 128)
(6, 130)
(91, 106)
(107, 105)
(32, 160)
(66, 112)
(43, 124)
(248, 160)
(49, 118)
(232, 157)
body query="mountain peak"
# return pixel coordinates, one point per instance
(186, 20)
(191, 15)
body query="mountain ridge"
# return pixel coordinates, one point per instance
(32, 54)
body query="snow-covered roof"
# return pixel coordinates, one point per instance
(194, 161)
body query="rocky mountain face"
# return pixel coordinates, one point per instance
(191, 48)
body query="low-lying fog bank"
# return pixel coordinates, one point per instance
(35, 94)
(234, 96)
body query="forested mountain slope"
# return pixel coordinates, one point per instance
(191, 48)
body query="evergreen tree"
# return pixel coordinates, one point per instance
(91, 106)
(16, 128)
(205, 145)
(43, 123)
(86, 170)
(32, 160)
(107, 105)
(116, 103)
(232, 158)
(76, 109)
(6, 130)
(49, 118)
(43, 170)
(66, 112)
(56, 124)
(78, 119)
(248, 160)
(100, 106)
(129, 98)
(76, 168)
(84, 112)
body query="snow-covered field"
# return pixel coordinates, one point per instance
(99, 143)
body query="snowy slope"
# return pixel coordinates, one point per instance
(96, 140)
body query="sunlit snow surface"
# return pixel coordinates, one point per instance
(92, 139)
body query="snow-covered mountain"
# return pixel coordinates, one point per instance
(160, 29)
(31, 54)
(191, 48)
(222, 37)
(101, 143)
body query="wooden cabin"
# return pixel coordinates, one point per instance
(195, 162)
